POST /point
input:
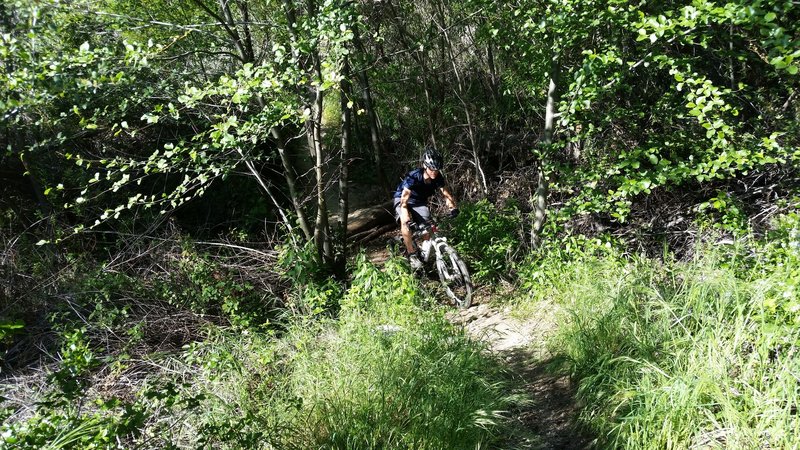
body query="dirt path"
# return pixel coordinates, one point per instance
(549, 421)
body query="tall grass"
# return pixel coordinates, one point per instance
(389, 372)
(681, 355)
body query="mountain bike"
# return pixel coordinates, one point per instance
(452, 270)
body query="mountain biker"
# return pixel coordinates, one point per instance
(411, 199)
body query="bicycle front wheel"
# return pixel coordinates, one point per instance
(454, 276)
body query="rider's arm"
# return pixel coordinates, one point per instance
(448, 198)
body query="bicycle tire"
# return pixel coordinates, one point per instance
(455, 277)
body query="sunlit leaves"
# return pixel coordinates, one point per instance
(677, 107)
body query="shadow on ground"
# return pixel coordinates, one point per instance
(550, 420)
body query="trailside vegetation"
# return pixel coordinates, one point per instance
(682, 354)
(177, 267)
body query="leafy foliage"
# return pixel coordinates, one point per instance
(115, 114)
(668, 354)
(652, 99)
(488, 237)
(387, 373)
(64, 419)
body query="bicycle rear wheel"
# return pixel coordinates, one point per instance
(455, 277)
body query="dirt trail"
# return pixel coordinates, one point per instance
(548, 423)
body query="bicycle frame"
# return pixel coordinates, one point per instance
(452, 271)
(427, 232)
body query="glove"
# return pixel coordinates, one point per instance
(454, 212)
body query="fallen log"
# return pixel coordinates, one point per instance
(365, 236)
(368, 218)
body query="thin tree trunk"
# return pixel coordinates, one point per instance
(246, 54)
(374, 129)
(372, 116)
(234, 32)
(314, 134)
(344, 205)
(248, 38)
(540, 199)
(420, 60)
(539, 208)
(291, 182)
(731, 73)
(479, 174)
(431, 126)
(260, 180)
(44, 206)
(494, 87)
(493, 78)
(229, 25)
(322, 227)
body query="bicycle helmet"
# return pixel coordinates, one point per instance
(432, 159)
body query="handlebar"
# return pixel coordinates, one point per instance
(420, 229)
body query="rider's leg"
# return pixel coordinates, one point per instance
(418, 214)
(405, 217)
(423, 215)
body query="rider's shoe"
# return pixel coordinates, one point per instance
(415, 259)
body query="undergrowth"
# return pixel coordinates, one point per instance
(683, 355)
(373, 364)
(487, 236)
(388, 372)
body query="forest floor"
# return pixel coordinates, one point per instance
(549, 420)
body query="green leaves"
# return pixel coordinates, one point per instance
(488, 237)
(9, 328)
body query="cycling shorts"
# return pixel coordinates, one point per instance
(419, 213)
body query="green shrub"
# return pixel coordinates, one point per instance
(190, 281)
(65, 418)
(199, 284)
(388, 373)
(779, 265)
(315, 291)
(488, 238)
(724, 212)
(542, 275)
(680, 355)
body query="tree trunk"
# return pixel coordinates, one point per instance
(372, 117)
(248, 38)
(540, 199)
(479, 174)
(260, 180)
(420, 60)
(314, 134)
(493, 78)
(447, 52)
(344, 205)
(227, 22)
(244, 49)
(539, 208)
(291, 182)
(374, 130)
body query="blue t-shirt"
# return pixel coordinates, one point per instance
(420, 190)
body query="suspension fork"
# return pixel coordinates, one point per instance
(438, 245)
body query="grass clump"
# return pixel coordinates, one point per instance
(389, 372)
(371, 364)
(682, 355)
